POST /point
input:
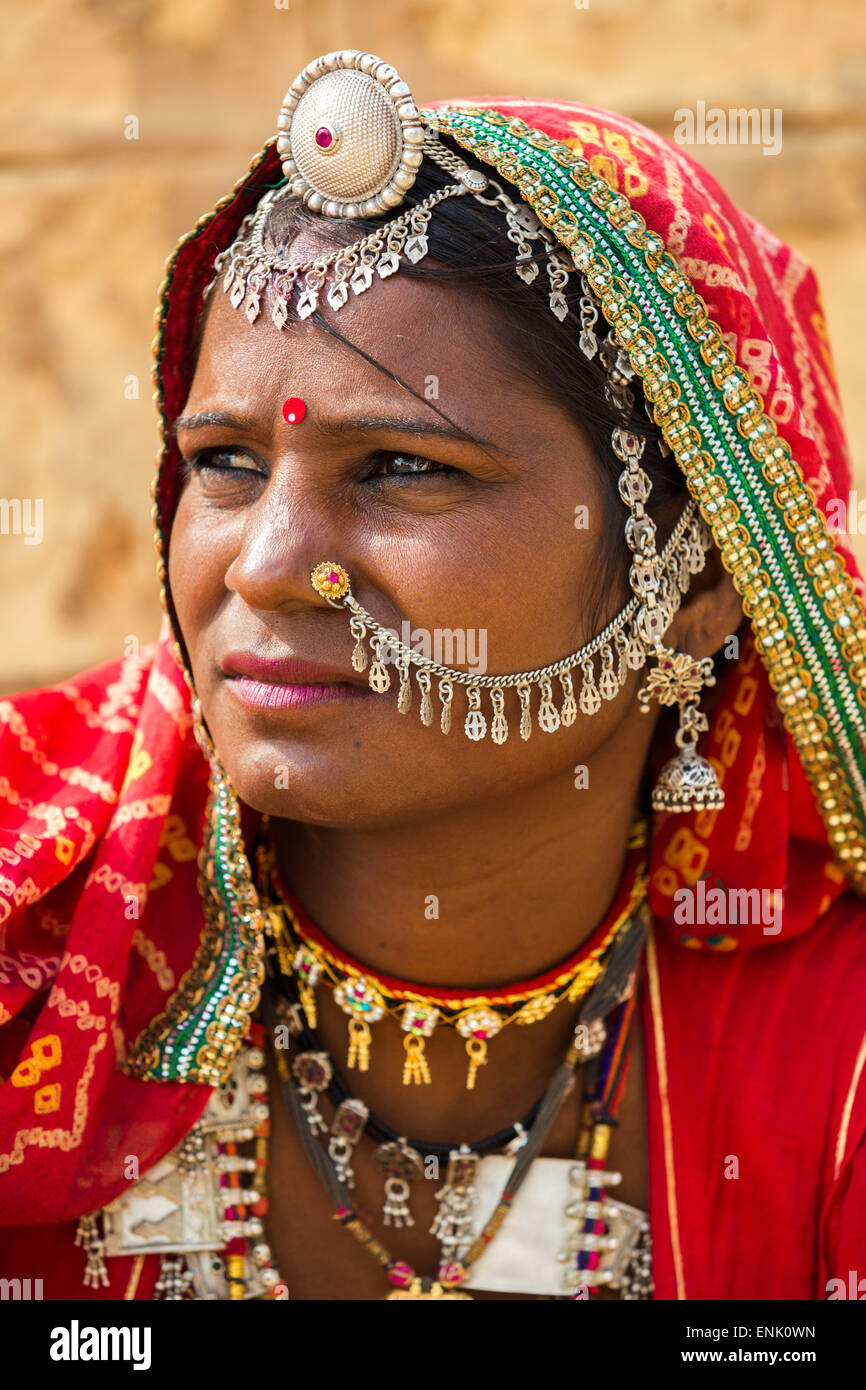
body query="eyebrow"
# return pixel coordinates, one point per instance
(205, 418)
(358, 424)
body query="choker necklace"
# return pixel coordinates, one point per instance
(307, 955)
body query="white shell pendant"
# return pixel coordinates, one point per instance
(426, 703)
(308, 303)
(338, 294)
(499, 724)
(362, 279)
(416, 248)
(524, 695)
(590, 699)
(446, 695)
(568, 713)
(475, 726)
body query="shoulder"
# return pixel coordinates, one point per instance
(73, 734)
(104, 697)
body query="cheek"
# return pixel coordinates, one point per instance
(198, 557)
(524, 574)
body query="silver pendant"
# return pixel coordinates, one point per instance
(308, 303)
(338, 294)
(362, 279)
(416, 248)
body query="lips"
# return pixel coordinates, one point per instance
(281, 670)
(279, 683)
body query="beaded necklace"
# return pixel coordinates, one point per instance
(239, 1113)
(605, 1251)
(323, 1077)
(366, 996)
(604, 1086)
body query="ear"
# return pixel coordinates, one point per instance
(711, 611)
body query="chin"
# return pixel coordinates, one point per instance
(340, 780)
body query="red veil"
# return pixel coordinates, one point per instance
(756, 1042)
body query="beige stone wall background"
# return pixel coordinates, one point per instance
(89, 216)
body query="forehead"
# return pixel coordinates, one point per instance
(441, 341)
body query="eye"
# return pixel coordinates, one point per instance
(406, 467)
(221, 461)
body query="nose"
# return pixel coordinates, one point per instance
(284, 537)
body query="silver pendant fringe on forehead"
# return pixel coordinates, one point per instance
(351, 142)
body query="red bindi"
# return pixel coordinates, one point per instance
(294, 410)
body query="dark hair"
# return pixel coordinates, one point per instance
(469, 246)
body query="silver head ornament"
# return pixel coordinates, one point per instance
(351, 141)
(350, 136)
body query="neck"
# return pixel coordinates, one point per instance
(482, 896)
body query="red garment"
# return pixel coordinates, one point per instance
(754, 1055)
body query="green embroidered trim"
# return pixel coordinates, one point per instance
(205, 1021)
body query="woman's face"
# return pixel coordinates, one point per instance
(464, 529)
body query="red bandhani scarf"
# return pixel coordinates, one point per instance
(103, 787)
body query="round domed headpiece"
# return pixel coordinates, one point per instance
(349, 135)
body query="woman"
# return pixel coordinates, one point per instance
(467, 953)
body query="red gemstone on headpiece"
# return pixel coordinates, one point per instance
(324, 137)
(294, 410)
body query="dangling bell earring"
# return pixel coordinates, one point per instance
(688, 782)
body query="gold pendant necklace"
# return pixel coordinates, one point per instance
(427, 1288)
